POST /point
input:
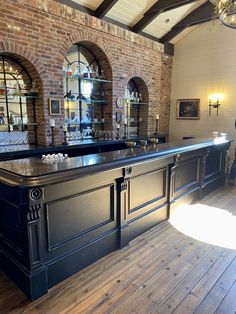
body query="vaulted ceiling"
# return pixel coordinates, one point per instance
(164, 21)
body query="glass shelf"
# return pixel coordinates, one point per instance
(88, 101)
(22, 96)
(138, 103)
(70, 124)
(87, 79)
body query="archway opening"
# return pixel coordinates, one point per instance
(137, 109)
(87, 91)
(20, 90)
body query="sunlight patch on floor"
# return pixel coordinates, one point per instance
(207, 224)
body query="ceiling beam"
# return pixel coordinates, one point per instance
(104, 7)
(159, 7)
(200, 15)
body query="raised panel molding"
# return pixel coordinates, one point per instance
(147, 183)
(82, 215)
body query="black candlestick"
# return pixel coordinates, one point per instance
(65, 139)
(52, 134)
(156, 132)
(118, 133)
(125, 131)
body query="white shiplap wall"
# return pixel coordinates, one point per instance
(205, 63)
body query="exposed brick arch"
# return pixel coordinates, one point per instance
(37, 73)
(27, 58)
(85, 36)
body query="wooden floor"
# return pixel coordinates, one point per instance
(162, 271)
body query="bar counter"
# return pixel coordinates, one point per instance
(58, 217)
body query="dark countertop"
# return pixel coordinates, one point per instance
(25, 150)
(35, 171)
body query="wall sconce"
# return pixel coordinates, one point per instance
(214, 102)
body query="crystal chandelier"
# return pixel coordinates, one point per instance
(226, 11)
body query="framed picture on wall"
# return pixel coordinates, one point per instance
(188, 109)
(54, 107)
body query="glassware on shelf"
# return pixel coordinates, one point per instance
(96, 75)
(77, 70)
(34, 89)
(136, 99)
(102, 76)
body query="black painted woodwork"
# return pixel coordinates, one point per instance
(159, 7)
(50, 229)
(104, 7)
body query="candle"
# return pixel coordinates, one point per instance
(125, 120)
(65, 128)
(52, 123)
(157, 116)
(117, 125)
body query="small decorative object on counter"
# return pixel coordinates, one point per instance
(34, 89)
(131, 144)
(143, 143)
(154, 141)
(55, 158)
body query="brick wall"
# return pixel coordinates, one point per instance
(39, 33)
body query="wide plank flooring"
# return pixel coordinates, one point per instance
(187, 265)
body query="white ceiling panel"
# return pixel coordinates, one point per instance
(165, 21)
(129, 12)
(91, 4)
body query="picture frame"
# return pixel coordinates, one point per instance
(188, 109)
(54, 107)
